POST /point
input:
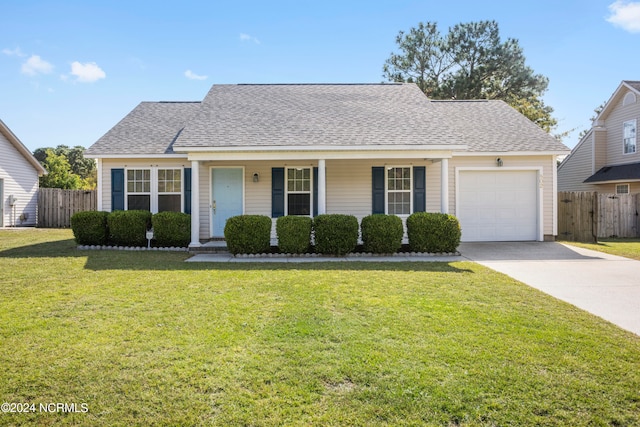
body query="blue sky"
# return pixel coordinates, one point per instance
(70, 70)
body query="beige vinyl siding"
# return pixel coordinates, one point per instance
(546, 162)
(433, 173)
(634, 187)
(349, 187)
(108, 164)
(20, 179)
(578, 166)
(613, 123)
(600, 149)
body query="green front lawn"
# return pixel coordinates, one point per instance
(629, 248)
(142, 338)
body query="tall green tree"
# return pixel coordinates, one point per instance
(77, 164)
(59, 174)
(470, 62)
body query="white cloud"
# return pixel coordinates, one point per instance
(88, 72)
(36, 65)
(247, 38)
(626, 15)
(14, 52)
(193, 76)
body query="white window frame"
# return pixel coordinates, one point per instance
(154, 192)
(621, 186)
(137, 193)
(164, 193)
(287, 192)
(633, 136)
(387, 191)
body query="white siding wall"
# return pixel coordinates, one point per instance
(20, 180)
(613, 123)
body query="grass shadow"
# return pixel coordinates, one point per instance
(163, 260)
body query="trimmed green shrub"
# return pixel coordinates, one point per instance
(248, 234)
(171, 229)
(335, 234)
(381, 234)
(129, 228)
(433, 232)
(90, 227)
(294, 234)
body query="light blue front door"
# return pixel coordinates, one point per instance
(226, 197)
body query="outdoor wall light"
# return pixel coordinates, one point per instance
(256, 177)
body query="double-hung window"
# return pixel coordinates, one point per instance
(138, 189)
(154, 190)
(399, 190)
(299, 191)
(629, 137)
(169, 190)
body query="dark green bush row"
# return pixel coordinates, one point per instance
(248, 234)
(171, 229)
(381, 234)
(294, 234)
(90, 227)
(337, 234)
(433, 232)
(128, 228)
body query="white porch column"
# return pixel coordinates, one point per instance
(322, 187)
(195, 204)
(444, 186)
(99, 184)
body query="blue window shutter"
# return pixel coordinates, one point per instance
(419, 189)
(187, 190)
(277, 192)
(117, 190)
(377, 181)
(315, 192)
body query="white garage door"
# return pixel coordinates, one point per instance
(498, 205)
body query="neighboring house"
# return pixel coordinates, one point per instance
(19, 172)
(607, 158)
(307, 149)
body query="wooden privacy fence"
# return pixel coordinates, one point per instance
(56, 206)
(587, 216)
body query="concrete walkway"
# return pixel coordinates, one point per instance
(225, 257)
(605, 285)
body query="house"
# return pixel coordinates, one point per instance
(607, 158)
(307, 149)
(19, 172)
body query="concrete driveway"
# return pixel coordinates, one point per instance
(605, 285)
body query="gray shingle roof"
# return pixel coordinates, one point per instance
(615, 173)
(493, 126)
(311, 115)
(633, 84)
(323, 115)
(150, 128)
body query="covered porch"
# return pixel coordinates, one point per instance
(288, 182)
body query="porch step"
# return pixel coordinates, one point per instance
(212, 247)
